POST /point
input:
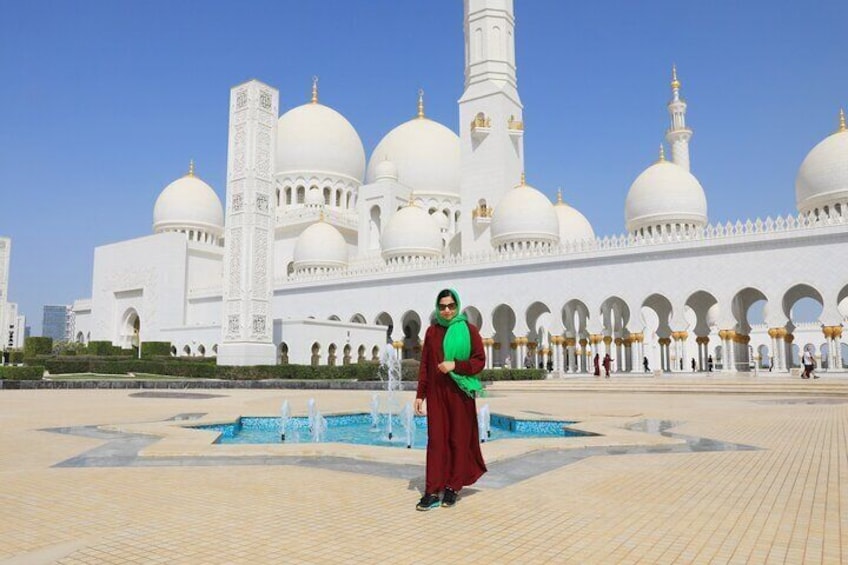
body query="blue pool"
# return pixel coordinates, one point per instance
(358, 429)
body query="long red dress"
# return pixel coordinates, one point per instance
(453, 443)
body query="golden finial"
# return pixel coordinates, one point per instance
(191, 168)
(559, 195)
(523, 179)
(662, 153)
(411, 199)
(420, 103)
(314, 89)
(842, 126)
(321, 215)
(675, 84)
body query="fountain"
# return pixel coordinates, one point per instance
(484, 423)
(284, 419)
(375, 410)
(407, 420)
(319, 427)
(310, 412)
(390, 372)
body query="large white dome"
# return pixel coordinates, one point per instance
(573, 226)
(524, 216)
(316, 139)
(188, 203)
(411, 233)
(665, 193)
(320, 246)
(823, 176)
(426, 155)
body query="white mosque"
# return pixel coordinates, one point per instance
(321, 255)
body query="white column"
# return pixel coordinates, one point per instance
(247, 320)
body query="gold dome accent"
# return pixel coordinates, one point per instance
(662, 154)
(314, 90)
(190, 168)
(411, 199)
(420, 103)
(675, 84)
(842, 126)
(321, 215)
(559, 196)
(523, 179)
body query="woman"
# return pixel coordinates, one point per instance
(452, 354)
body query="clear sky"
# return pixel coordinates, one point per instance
(104, 102)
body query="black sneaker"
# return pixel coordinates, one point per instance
(427, 502)
(448, 498)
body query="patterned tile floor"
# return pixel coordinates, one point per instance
(637, 498)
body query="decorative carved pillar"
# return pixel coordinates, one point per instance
(496, 347)
(582, 352)
(788, 338)
(837, 346)
(571, 344)
(665, 359)
(487, 347)
(247, 319)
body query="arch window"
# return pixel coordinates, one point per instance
(288, 195)
(327, 195)
(339, 198)
(301, 195)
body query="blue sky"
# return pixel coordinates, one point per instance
(103, 103)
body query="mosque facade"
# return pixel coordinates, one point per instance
(321, 255)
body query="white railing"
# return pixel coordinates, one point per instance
(713, 232)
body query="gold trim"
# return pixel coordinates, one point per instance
(190, 168)
(314, 90)
(420, 103)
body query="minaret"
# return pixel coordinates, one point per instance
(247, 318)
(491, 126)
(678, 134)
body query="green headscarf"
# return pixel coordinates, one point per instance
(457, 345)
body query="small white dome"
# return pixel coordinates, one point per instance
(320, 246)
(665, 193)
(314, 138)
(411, 233)
(426, 155)
(188, 203)
(386, 170)
(573, 226)
(442, 222)
(524, 215)
(823, 176)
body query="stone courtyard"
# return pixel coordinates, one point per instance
(687, 469)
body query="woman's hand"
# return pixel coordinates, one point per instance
(419, 407)
(447, 366)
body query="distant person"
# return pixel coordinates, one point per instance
(771, 363)
(451, 357)
(550, 365)
(709, 363)
(645, 365)
(528, 362)
(607, 364)
(693, 364)
(507, 364)
(809, 364)
(597, 365)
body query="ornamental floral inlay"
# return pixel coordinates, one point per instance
(263, 154)
(259, 325)
(233, 325)
(241, 99)
(262, 202)
(238, 202)
(265, 100)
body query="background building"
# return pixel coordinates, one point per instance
(57, 322)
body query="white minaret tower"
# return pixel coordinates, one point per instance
(678, 134)
(247, 325)
(491, 126)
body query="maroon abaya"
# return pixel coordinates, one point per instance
(453, 443)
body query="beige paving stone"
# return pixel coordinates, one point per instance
(783, 503)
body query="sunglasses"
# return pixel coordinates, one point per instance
(451, 306)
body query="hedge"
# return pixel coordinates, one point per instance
(31, 373)
(360, 372)
(154, 348)
(513, 375)
(38, 346)
(105, 348)
(16, 356)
